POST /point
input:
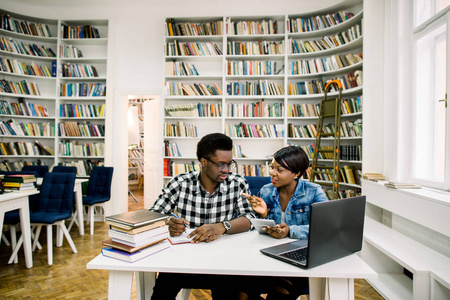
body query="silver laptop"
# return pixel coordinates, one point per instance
(335, 230)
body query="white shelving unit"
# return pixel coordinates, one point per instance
(274, 67)
(83, 109)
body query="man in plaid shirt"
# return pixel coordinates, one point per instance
(211, 202)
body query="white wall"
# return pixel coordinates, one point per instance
(136, 50)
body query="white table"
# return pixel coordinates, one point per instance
(12, 201)
(236, 254)
(78, 201)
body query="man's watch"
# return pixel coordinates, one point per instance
(227, 225)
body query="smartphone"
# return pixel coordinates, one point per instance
(259, 224)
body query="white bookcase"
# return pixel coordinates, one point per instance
(268, 56)
(80, 114)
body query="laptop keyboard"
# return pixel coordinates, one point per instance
(298, 254)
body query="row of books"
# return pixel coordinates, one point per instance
(78, 70)
(193, 29)
(176, 48)
(253, 170)
(237, 151)
(82, 89)
(194, 110)
(18, 182)
(180, 129)
(81, 111)
(346, 152)
(172, 169)
(11, 127)
(180, 68)
(22, 87)
(21, 68)
(255, 130)
(70, 51)
(347, 129)
(347, 174)
(7, 165)
(195, 89)
(347, 193)
(258, 109)
(19, 47)
(135, 235)
(350, 80)
(84, 167)
(252, 27)
(349, 106)
(136, 153)
(261, 87)
(261, 47)
(22, 108)
(171, 149)
(87, 149)
(324, 64)
(81, 129)
(252, 67)
(24, 27)
(326, 43)
(79, 32)
(25, 148)
(297, 25)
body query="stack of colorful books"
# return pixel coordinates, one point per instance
(19, 182)
(136, 234)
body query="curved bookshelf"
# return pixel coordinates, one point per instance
(31, 48)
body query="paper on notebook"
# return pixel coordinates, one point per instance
(181, 239)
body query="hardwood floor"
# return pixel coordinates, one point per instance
(68, 277)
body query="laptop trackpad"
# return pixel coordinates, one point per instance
(287, 247)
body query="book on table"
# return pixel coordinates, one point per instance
(136, 218)
(181, 239)
(138, 237)
(137, 255)
(138, 229)
(128, 248)
(402, 185)
(20, 178)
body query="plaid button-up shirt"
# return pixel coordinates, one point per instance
(185, 194)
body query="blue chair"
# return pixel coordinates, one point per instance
(64, 169)
(54, 206)
(41, 170)
(98, 192)
(256, 183)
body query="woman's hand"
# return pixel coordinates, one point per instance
(280, 231)
(258, 204)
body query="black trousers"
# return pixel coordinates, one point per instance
(168, 285)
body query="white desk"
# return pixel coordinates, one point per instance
(12, 201)
(236, 254)
(78, 201)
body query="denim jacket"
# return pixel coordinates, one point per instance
(297, 212)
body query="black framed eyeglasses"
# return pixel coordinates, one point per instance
(222, 166)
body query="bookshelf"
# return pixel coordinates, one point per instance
(261, 86)
(63, 64)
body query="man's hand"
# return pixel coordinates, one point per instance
(280, 231)
(176, 226)
(207, 233)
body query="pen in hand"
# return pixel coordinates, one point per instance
(185, 225)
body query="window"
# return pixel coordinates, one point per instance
(431, 133)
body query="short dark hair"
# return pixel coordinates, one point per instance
(292, 158)
(208, 145)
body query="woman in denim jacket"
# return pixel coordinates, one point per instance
(287, 200)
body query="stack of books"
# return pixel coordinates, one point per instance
(374, 176)
(136, 234)
(19, 182)
(402, 185)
